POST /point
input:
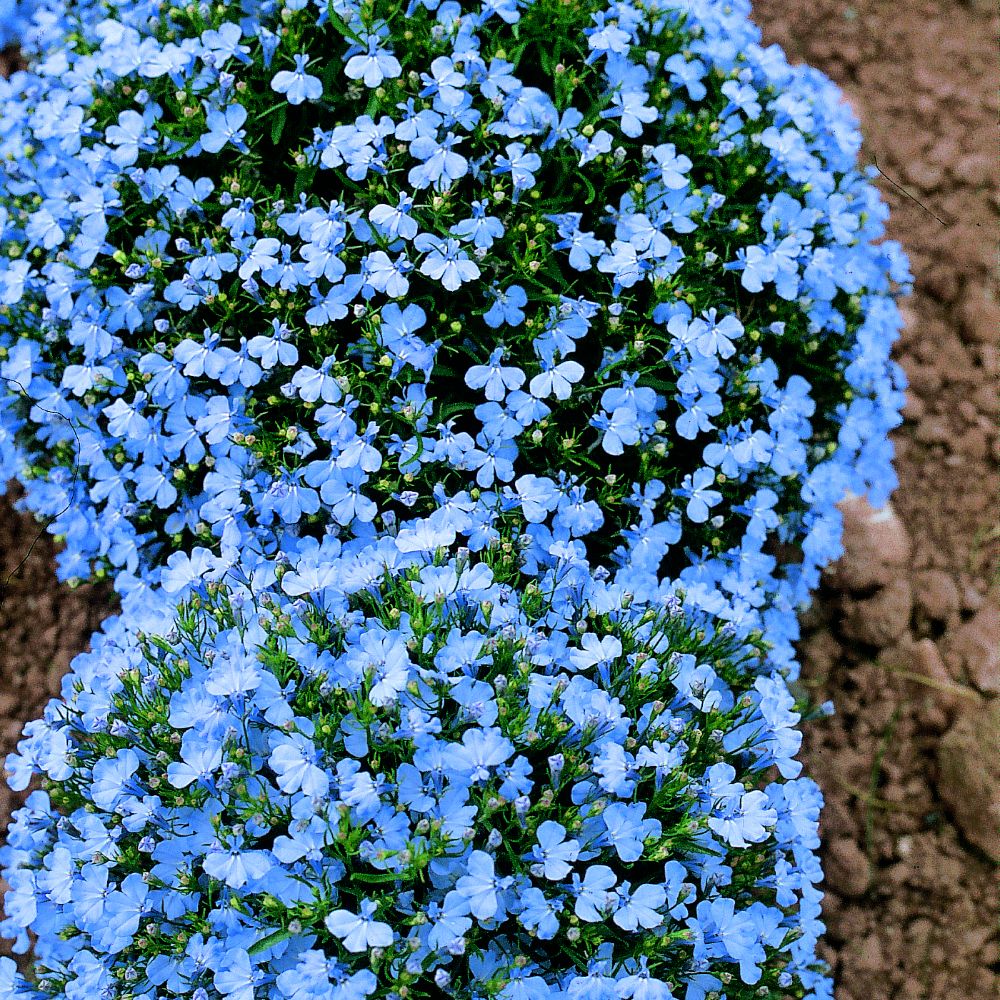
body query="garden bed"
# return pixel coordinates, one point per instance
(912, 887)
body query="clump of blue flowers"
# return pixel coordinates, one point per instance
(270, 271)
(15, 16)
(459, 397)
(432, 775)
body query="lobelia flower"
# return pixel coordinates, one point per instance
(225, 127)
(445, 261)
(553, 852)
(481, 887)
(359, 931)
(441, 166)
(297, 85)
(374, 65)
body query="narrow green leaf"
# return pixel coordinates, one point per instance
(267, 942)
(451, 409)
(303, 181)
(278, 124)
(375, 877)
(341, 26)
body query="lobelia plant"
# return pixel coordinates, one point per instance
(438, 776)
(480, 379)
(247, 302)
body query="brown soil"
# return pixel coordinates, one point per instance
(905, 634)
(43, 625)
(911, 767)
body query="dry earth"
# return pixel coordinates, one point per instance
(905, 634)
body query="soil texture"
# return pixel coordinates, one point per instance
(905, 633)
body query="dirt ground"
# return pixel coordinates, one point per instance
(905, 633)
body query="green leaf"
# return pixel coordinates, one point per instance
(341, 26)
(450, 409)
(267, 942)
(659, 383)
(303, 181)
(278, 123)
(376, 877)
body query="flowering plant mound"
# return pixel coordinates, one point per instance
(272, 270)
(481, 379)
(434, 777)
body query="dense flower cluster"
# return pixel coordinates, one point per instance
(431, 776)
(480, 380)
(14, 18)
(238, 312)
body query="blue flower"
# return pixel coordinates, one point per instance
(237, 977)
(481, 888)
(713, 336)
(687, 74)
(698, 411)
(395, 223)
(553, 853)
(360, 931)
(618, 430)
(630, 106)
(236, 866)
(700, 498)
(540, 914)
(295, 761)
(607, 36)
(626, 830)
(638, 908)
(742, 97)
(507, 307)
(297, 85)
(131, 135)
(480, 228)
(520, 165)
(442, 166)
(494, 377)
(444, 83)
(594, 896)
(671, 167)
(445, 261)
(733, 934)
(274, 349)
(199, 762)
(225, 43)
(387, 275)
(538, 496)
(225, 127)
(374, 65)
(624, 263)
(582, 246)
(555, 379)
